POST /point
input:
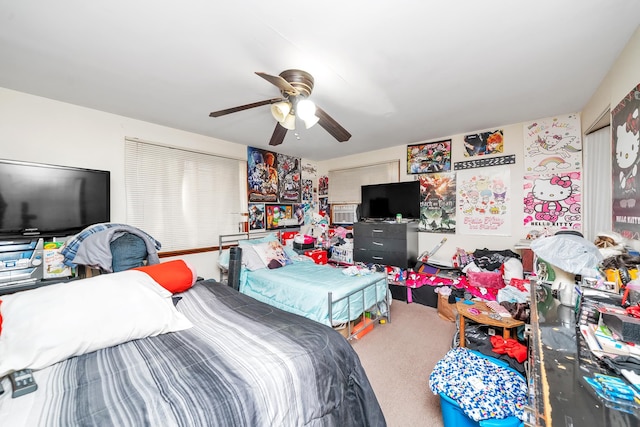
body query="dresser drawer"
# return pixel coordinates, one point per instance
(379, 244)
(398, 259)
(380, 230)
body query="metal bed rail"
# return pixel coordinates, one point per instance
(375, 314)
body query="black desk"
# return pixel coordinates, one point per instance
(559, 359)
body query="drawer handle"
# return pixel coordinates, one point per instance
(377, 257)
(378, 243)
(377, 231)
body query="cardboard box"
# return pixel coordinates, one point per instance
(319, 256)
(53, 261)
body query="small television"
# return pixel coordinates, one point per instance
(385, 201)
(51, 201)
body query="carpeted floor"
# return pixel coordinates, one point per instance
(398, 358)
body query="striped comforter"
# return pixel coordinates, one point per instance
(244, 363)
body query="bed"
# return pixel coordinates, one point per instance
(329, 295)
(242, 363)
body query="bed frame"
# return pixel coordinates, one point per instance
(352, 329)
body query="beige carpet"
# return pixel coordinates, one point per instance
(398, 358)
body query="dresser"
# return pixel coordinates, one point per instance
(387, 243)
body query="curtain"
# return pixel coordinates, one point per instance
(598, 199)
(184, 199)
(344, 184)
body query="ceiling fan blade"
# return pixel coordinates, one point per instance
(331, 126)
(245, 107)
(278, 135)
(280, 82)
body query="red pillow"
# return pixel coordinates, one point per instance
(175, 276)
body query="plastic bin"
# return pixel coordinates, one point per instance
(454, 416)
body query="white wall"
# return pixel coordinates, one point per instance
(514, 141)
(623, 76)
(41, 130)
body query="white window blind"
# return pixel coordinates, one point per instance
(344, 184)
(184, 199)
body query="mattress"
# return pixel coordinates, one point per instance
(303, 287)
(244, 363)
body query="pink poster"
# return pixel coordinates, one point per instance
(552, 202)
(483, 201)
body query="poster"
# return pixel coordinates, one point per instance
(552, 202)
(323, 186)
(276, 214)
(553, 144)
(289, 184)
(429, 157)
(256, 216)
(483, 201)
(625, 131)
(307, 190)
(438, 203)
(485, 143)
(262, 175)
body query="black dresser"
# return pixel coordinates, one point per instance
(387, 243)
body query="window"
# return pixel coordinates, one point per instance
(184, 199)
(344, 184)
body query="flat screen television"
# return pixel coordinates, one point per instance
(385, 201)
(51, 201)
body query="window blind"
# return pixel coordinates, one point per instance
(344, 184)
(184, 199)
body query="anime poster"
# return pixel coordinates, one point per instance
(262, 175)
(256, 216)
(438, 203)
(553, 144)
(485, 143)
(288, 179)
(323, 186)
(276, 213)
(625, 131)
(323, 206)
(483, 201)
(552, 202)
(300, 212)
(429, 157)
(307, 190)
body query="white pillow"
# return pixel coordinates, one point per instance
(46, 325)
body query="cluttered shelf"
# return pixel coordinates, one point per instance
(572, 379)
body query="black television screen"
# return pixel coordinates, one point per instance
(51, 201)
(385, 201)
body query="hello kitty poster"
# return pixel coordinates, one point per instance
(553, 144)
(625, 133)
(552, 202)
(483, 201)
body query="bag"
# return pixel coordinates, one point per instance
(446, 311)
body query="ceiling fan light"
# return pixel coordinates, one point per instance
(310, 122)
(306, 109)
(280, 110)
(289, 122)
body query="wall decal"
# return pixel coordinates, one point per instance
(485, 162)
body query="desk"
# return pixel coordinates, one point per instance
(506, 323)
(559, 360)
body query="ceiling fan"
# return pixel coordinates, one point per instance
(295, 87)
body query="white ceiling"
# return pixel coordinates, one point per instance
(391, 72)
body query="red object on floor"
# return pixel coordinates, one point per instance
(510, 347)
(318, 256)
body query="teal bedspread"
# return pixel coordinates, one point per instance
(303, 287)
